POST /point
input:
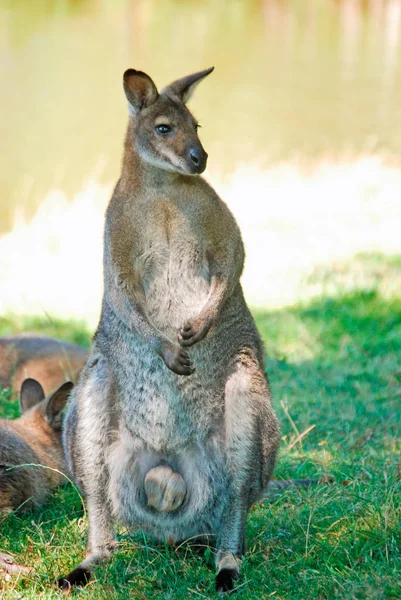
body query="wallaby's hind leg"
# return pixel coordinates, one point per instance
(251, 443)
(86, 439)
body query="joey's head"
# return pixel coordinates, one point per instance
(165, 132)
(40, 411)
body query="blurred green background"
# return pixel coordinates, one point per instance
(293, 79)
(300, 120)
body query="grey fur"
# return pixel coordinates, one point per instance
(173, 257)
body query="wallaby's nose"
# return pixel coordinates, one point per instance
(194, 157)
(198, 158)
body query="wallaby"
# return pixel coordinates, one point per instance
(52, 362)
(170, 426)
(34, 438)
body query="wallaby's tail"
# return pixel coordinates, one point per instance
(165, 489)
(277, 485)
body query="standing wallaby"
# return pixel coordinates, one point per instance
(33, 439)
(49, 361)
(170, 426)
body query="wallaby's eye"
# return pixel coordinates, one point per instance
(163, 129)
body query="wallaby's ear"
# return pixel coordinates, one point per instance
(56, 403)
(184, 88)
(139, 89)
(31, 394)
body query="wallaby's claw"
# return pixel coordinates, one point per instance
(77, 577)
(193, 332)
(177, 360)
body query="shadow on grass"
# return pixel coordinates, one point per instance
(334, 364)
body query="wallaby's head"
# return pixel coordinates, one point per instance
(165, 132)
(43, 410)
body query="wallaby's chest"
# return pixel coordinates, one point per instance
(170, 236)
(171, 259)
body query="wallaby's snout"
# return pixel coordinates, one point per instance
(165, 133)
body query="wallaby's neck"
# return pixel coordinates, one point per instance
(137, 173)
(35, 425)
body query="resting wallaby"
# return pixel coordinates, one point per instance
(34, 438)
(49, 361)
(170, 426)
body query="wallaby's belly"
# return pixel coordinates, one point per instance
(166, 411)
(166, 419)
(202, 469)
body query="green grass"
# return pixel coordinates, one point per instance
(76, 332)
(333, 364)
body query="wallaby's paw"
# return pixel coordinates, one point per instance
(177, 360)
(225, 580)
(77, 577)
(193, 332)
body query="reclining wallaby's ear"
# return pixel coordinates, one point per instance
(56, 403)
(31, 394)
(184, 88)
(139, 89)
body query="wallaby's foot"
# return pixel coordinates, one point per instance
(194, 331)
(82, 575)
(228, 566)
(225, 580)
(177, 360)
(77, 577)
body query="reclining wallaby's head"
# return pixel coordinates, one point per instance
(43, 413)
(31, 440)
(165, 132)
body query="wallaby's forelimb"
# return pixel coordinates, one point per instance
(224, 274)
(128, 300)
(196, 329)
